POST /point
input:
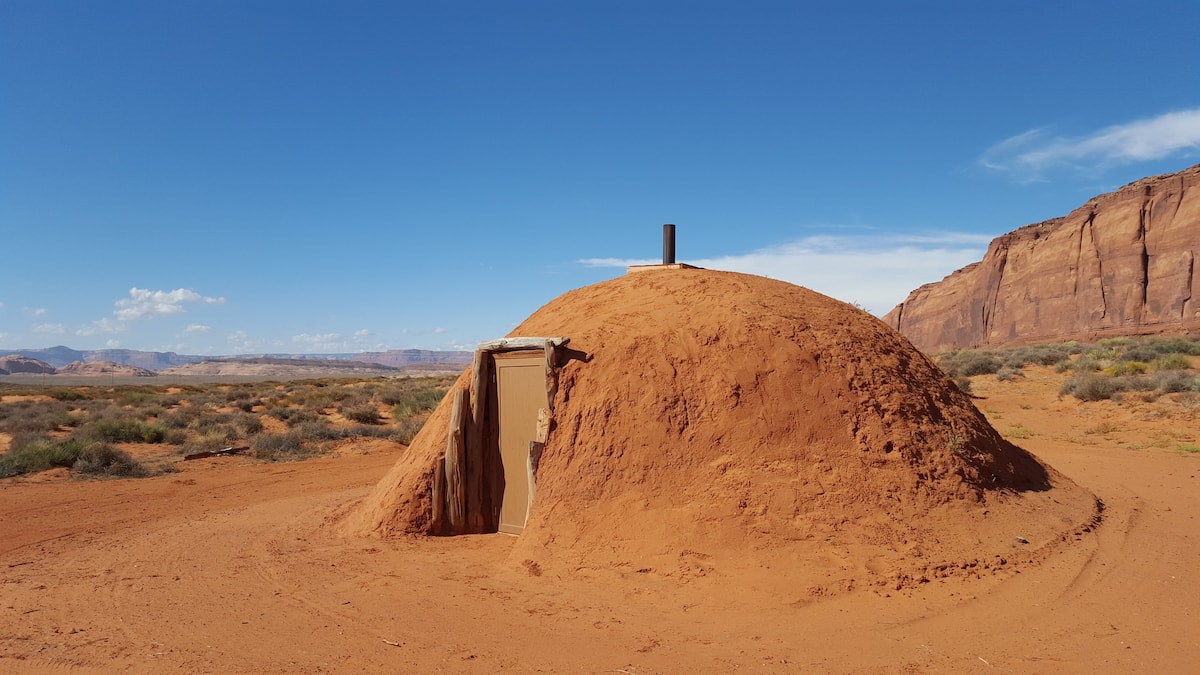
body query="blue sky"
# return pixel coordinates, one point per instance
(218, 177)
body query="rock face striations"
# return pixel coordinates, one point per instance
(1122, 264)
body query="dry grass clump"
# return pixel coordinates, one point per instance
(1125, 355)
(1153, 366)
(104, 461)
(125, 430)
(80, 428)
(363, 414)
(1101, 386)
(31, 454)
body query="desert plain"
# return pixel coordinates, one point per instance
(229, 565)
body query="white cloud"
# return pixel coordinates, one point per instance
(240, 343)
(359, 334)
(1029, 154)
(197, 328)
(143, 302)
(875, 272)
(36, 311)
(101, 327)
(49, 328)
(439, 330)
(112, 344)
(321, 342)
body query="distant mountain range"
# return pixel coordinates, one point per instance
(397, 358)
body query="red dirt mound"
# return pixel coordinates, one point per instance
(726, 420)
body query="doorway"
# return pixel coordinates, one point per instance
(520, 395)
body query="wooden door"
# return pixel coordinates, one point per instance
(520, 393)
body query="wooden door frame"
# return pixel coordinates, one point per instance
(465, 495)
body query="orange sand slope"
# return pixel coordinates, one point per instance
(735, 421)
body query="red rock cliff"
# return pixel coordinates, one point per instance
(1122, 264)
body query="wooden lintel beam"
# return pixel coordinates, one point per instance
(510, 343)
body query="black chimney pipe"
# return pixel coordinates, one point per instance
(669, 244)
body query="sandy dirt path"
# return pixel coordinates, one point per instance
(233, 566)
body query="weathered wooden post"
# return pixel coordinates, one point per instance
(476, 521)
(456, 488)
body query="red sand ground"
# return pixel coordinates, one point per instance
(232, 566)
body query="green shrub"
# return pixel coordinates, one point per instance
(1127, 368)
(125, 431)
(363, 414)
(169, 401)
(1172, 381)
(282, 414)
(175, 437)
(101, 459)
(179, 418)
(1090, 387)
(372, 431)
(408, 429)
(1042, 355)
(1084, 364)
(40, 455)
(279, 447)
(135, 398)
(238, 395)
(27, 416)
(212, 420)
(296, 416)
(68, 394)
(969, 363)
(420, 403)
(1009, 373)
(315, 431)
(248, 424)
(1171, 362)
(205, 443)
(1176, 345)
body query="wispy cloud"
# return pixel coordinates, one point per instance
(143, 303)
(36, 311)
(49, 328)
(101, 327)
(196, 328)
(876, 272)
(321, 342)
(239, 342)
(1029, 155)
